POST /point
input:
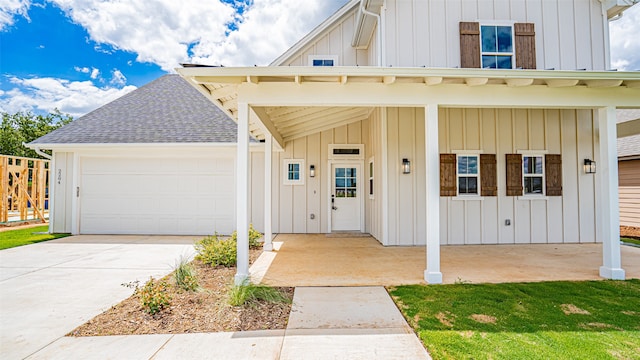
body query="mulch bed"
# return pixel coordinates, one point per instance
(630, 231)
(191, 312)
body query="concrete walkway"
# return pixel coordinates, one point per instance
(50, 288)
(325, 323)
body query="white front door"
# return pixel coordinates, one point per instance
(345, 197)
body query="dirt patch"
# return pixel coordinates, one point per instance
(630, 231)
(190, 312)
(631, 313)
(570, 309)
(466, 334)
(445, 318)
(483, 318)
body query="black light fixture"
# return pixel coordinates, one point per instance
(589, 166)
(406, 166)
(312, 171)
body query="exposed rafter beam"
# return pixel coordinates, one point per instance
(336, 116)
(476, 81)
(519, 82)
(264, 119)
(323, 127)
(224, 91)
(433, 80)
(388, 80)
(556, 83)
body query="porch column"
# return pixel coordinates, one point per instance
(607, 194)
(268, 152)
(242, 195)
(432, 274)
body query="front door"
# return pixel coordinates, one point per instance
(345, 197)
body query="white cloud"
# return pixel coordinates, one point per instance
(171, 32)
(84, 70)
(9, 9)
(94, 73)
(625, 40)
(268, 29)
(118, 78)
(159, 32)
(45, 94)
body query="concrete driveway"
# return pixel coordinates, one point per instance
(48, 289)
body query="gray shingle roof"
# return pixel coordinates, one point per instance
(629, 146)
(167, 110)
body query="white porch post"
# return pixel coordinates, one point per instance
(242, 195)
(607, 194)
(268, 152)
(432, 274)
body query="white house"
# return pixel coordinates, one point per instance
(419, 122)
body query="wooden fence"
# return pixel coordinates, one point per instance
(24, 185)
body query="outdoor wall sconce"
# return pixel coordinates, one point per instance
(406, 166)
(589, 166)
(312, 171)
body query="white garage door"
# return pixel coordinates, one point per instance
(170, 196)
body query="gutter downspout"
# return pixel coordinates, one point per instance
(378, 30)
(38, 151)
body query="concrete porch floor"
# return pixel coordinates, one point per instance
(318, 260)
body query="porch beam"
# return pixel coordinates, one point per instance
(268, 154)
(446, 95)
(607, 194)
(267, 124)
(432, 274)
(242, 196)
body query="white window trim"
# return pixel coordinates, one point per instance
(513, 40)
(323, 57)
(285, 172)
(371, 166)
(526, 196)
(467, 196)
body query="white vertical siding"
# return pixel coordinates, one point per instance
(569, 33)
(554, 219)
(61, 178)
(336, 40)
(294, 204)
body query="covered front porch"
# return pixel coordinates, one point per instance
(281, 106)
(321, 260)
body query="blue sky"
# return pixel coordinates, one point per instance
(76, 55)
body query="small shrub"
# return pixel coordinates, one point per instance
(185, 275)
(154, 296)
(214, 251)
(242, 294)
(254, 237)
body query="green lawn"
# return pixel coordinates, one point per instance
(630, 240)
(547, 320)
(13, 238)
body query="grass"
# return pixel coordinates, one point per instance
(547, 320)
(630, 240)
(13, 238)
(242, 294)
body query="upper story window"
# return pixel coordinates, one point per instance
(497, 46)
(323, 60)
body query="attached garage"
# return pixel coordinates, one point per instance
(168, 196)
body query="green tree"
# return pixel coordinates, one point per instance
(26, 127)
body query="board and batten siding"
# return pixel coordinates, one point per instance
(292, 205)
(62, 192)
(629, 188)
(569, 218)
(570, 34)
(335, 40)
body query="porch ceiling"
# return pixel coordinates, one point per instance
(289, 117)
